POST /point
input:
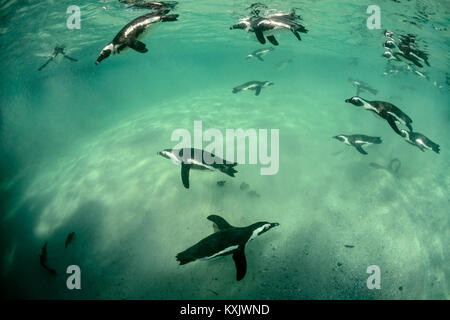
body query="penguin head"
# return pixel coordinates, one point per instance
(340, 138)
(105, 53)
(388, 33)
(355, 101)
(268, 83)
(389, 44)
(388, 54)
(261, 227)
(404, 133)
(166, 153)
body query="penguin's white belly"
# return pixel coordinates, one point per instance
(199, 165)
(250, 87)
(152, 27)
(221, 252)
(420, 142)
(362, 143)
(275, 31)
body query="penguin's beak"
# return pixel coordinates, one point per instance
(274, 224)
(347, 100)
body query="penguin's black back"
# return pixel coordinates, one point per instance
(215, 243)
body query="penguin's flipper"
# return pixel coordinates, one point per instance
(70, 58)
(297, 35)
(220, 222)
(360, 149)
(185, 174)
(137, 45)
(45, 64)
(391, 122)
(258, 91)
(272, 40)
(240, 262)
(260, 36)
(259, 58)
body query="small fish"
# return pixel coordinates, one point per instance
(221, 183)
(69, 238)
(349, 246)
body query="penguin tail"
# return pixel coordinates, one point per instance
(184, 257)
(377, 140)
(228, 169)
(169, 17)
(436, 148)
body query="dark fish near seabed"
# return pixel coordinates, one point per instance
(69, 238)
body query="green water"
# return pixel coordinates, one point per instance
(79, 147)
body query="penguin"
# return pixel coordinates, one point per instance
(259, 53)
(133, 32)
(191, 158)
(406, 50)
(43, 260)
(253, 85)
(226, 240)
(267, 27)
(151, 5)
(419, 140)
(361, 86)
(57, 51)
(385, 110)
(358, 141)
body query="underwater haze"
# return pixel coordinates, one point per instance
(80, 142)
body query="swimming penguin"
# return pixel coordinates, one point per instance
(385, 110)
(358, 141)
(151, 5)
(253, 85)
(133, 32)
(361, 86)
(226, 240)
(412, 56)
(419, 140)
(43, 260)
(191, 158)
(259, 53)
(57, 51)
(267, 27)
